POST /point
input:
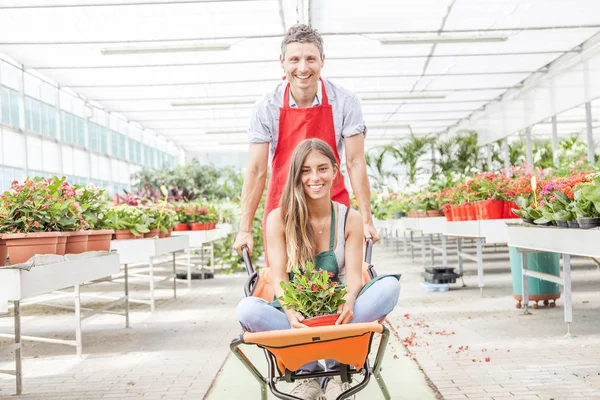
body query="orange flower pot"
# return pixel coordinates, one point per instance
(22, 246)
(99, 240)
(447, 209)
(125, 234)
(495, 209)
(470, 212)
(152, 233)
(61, 244)
(323, 320)
(77, 242)
(181, 227)
(3, 253)
(197, 226)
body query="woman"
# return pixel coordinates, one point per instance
(308, 226)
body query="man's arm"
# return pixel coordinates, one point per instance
(357, 170)
(252, 191)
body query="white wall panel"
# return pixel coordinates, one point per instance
(114, 169)
(13, 149)
(51, 157)
(81, 163)
(94, 167)
(67, 160)
(104, 166)
(10, 75)
(34, 153)
(123, 172)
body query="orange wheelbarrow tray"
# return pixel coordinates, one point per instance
(288, 350)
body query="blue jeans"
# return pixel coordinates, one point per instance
(257, 315)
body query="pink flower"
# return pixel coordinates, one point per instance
(314, 288)
(46, 206)
(29, 183)
(299, 289)
(36, 224)
(326, 286)
(330, 274)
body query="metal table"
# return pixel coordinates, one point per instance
(17, 285)
(491, 231)
(136, 251)
(201, 240)
(568, 242)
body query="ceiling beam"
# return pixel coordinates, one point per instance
(278, 35)
(124, 4)
(328, 77)
(276, 61)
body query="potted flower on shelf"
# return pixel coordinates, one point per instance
(528, 211)
(95, 211)
(166, 220)
(28, 218)
(314, 295)
(129, 222)
(587, 204)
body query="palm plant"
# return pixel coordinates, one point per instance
(375, 159)
(409, 151)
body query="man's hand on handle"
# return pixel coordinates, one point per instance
(243, 238)
(371, 232)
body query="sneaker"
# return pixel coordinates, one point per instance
(307, 389)
(335, 387)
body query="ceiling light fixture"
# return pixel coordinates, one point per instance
(442, 39)
(388, 126)
(164, 49)
(404, 97)
(208, 102)
(226, 130)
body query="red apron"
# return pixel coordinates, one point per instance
(296, 125)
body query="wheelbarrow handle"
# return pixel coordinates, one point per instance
(247, 261)
(368, 251)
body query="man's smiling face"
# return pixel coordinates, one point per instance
(302, 65)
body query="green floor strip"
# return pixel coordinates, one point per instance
(403, 377)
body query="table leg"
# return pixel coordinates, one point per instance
(444, 250)
(18, 365)
(397, 242)
(78, 340)
(212, 257)
(412, 248)
(189, 267)
(423, 248)
(479, 242)
(567, 289)
(152, 306)
(174, 277)
(126, 296)
(432, 251)
(525, 283)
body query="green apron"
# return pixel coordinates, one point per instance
(327, 261)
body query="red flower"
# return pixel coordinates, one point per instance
(315, 288)
(330, 274)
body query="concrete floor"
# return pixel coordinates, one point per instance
(468, 346)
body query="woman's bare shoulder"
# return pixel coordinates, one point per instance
(354, 221)
(274, 219)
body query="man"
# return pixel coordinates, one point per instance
(303, 106)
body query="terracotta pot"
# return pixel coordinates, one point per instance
(2, 253)
(77, 242)
(125, 234)
(61, 244)
(197, 226)
(153, 232)
(470, 212)
(99, 240)
(434, 213)
(161, 235)
(169, 232)
(495, 209)
(324, 320)
(181, 227)
(22, 246)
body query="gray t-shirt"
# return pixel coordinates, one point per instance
(347, 115)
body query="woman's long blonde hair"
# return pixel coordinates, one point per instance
(294, 210)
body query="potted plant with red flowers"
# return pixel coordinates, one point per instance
(29, 216)
(314, 295)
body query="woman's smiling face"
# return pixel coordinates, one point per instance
(317, 175)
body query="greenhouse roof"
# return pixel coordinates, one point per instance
(190, 70)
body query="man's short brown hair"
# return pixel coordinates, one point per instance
(301, 33)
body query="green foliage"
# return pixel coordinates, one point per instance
(527, 209)
(190, 181)
(311, 293)
(408, 152)
(375, 159)
(132, 218)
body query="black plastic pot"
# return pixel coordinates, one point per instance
(399, 214)
(562, 224)
(573, 224)
(527, 221)
(588, 223)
